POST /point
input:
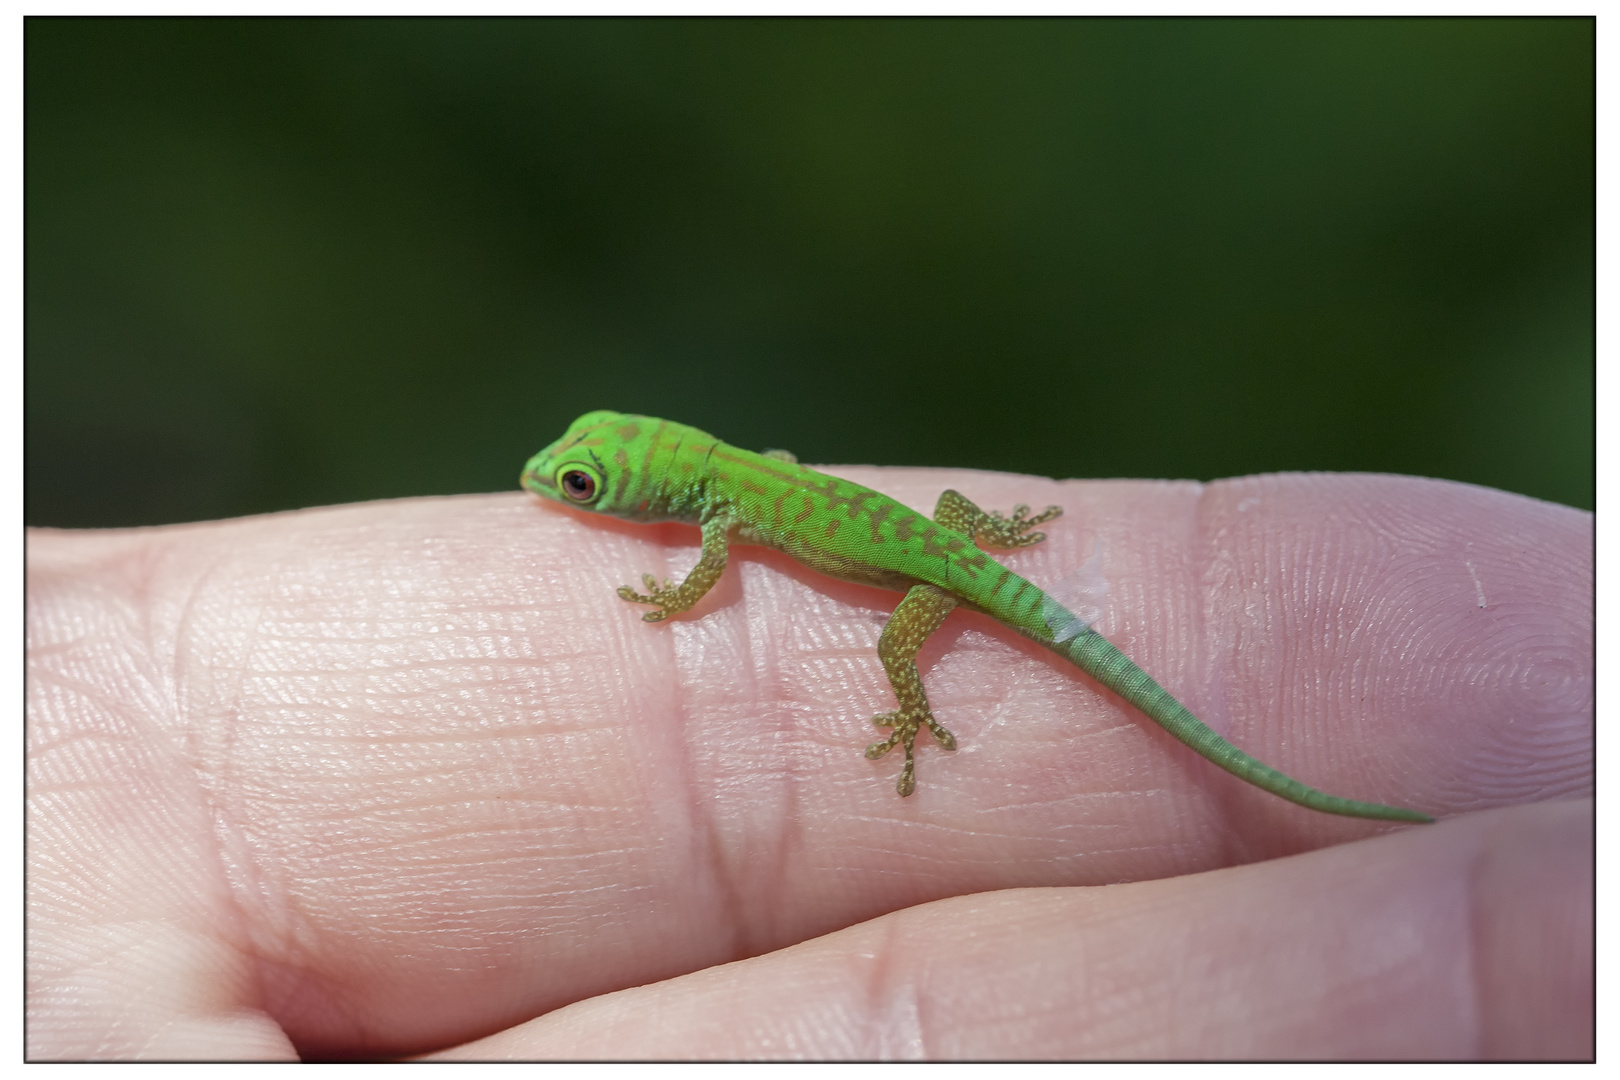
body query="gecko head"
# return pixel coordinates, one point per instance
(579, 468)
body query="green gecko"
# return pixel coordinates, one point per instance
(642, 469)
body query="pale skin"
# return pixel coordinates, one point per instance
(399, 777)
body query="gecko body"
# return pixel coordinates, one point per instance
(639, 468)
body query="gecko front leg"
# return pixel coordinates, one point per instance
(672, 599)
(921, 613)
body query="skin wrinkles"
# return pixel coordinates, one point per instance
(554, 867)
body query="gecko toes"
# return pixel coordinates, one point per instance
(908, 777)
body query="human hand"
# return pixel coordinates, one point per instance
(383, 779)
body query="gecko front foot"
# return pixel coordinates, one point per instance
(665, 598)
(905, 725)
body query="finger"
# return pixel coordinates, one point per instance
(134, 947)
(1470, 940)
(468, 788)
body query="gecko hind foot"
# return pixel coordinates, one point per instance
(904, 735)
(1013, 532)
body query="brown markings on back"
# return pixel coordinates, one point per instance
(851, 501)
(875, 516)
(762, 465)
(972, 564)
(628, 432)
(937, 541)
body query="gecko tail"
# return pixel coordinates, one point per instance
(1097, 656)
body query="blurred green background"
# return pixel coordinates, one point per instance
(279, 263)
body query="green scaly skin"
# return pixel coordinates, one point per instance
(642, 469)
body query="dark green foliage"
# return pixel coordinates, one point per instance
(277, 263)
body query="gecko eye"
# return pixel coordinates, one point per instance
(578, 485)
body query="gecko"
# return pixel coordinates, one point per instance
(641, 469)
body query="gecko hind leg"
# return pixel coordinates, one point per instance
(921, 613)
